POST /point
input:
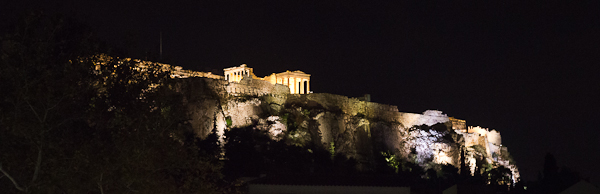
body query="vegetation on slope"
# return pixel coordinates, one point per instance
(69, 126)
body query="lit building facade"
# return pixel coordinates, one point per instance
(235, 74)
(297, 81)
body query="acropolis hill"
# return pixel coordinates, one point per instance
(351, 126)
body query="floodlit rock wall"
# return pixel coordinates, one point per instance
(202, 97)
(354, 127)
(211, 102)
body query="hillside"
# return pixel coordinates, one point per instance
(352, 127)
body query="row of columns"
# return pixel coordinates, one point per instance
(237, 75)
(296, 85)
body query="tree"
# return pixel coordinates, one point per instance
(550, 168)
(143, 118)
(244, 152)
(43, 83)
(554, 179)
(74, 121)
(500, 176)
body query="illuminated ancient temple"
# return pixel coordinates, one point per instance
(297, 81)
(235, 74)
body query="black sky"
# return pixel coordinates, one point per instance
(525, 68)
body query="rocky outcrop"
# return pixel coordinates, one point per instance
(350, 126)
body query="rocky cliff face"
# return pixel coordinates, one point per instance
(343, 125)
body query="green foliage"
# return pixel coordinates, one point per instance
(500, 176)
(284, 118)
(298, 138)
(332, 149)
(399, 164)
(393, 161)
(306, 112)
(228, 121)
(291, 124)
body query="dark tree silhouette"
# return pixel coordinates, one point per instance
(553, 179)
(73, 121)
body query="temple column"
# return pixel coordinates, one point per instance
(292, 85)
(298, 85)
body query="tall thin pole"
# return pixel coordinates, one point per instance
(160, 45)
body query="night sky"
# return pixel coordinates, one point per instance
(525, 68)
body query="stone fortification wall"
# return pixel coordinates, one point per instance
(351, 106)
(179, 72)
(254, 87)
(491, 137)
(458, 124)
(494, 137)
(200, 74)
(412, 119)
(377, 111)
(372, 110)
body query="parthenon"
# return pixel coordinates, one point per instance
(297, 81)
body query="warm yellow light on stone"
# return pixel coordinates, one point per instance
(442, 158)
(297, 81)
(236, 74)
